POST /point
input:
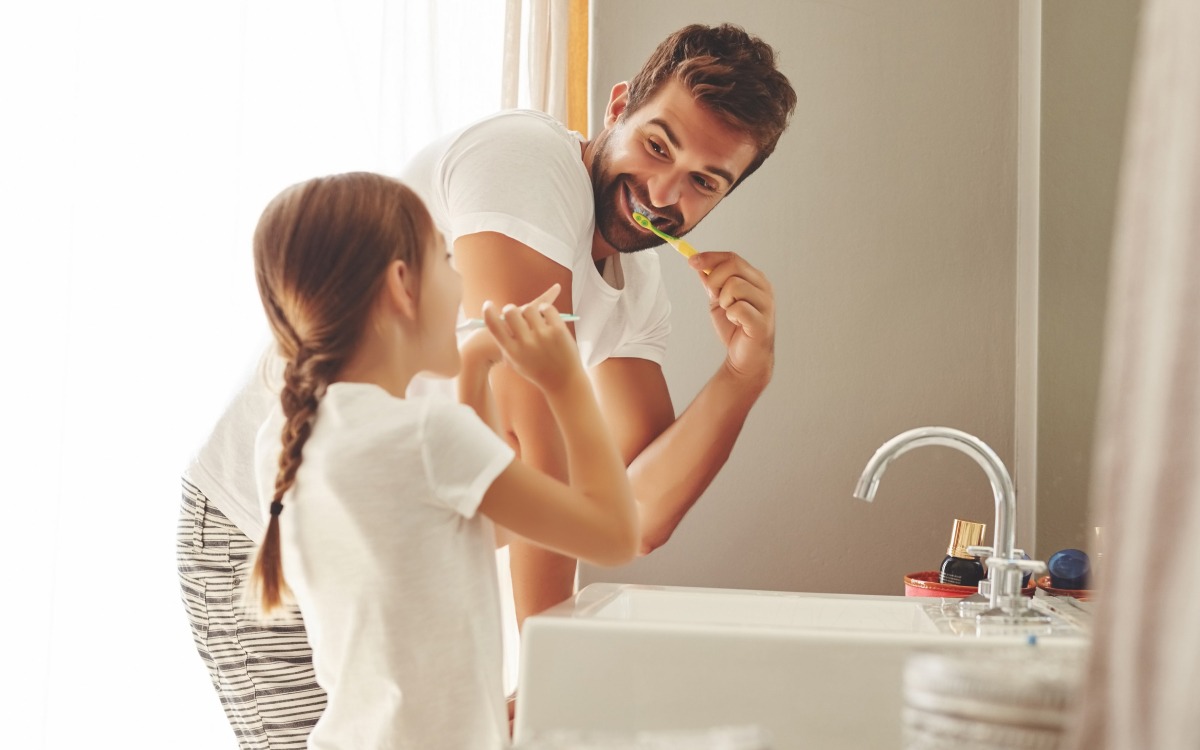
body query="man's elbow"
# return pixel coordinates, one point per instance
(654, 532)
(631, 538)
(652, 539)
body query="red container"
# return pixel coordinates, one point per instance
(1082, 595)
(926, 583)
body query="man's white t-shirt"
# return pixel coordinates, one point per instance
(520, 173)
(223, 468)
(394, 568)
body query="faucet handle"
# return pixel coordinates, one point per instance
(1030, 566)
(980, 551)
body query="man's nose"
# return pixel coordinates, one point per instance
(664, 189)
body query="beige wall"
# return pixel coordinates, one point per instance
(1087, 58)
(886, 221)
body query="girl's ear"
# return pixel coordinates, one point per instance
(400, 286)
(617, 99)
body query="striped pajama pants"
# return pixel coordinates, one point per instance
(262, 672)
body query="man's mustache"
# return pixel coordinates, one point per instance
(673, 221)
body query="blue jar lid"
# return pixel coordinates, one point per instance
(1069, 569)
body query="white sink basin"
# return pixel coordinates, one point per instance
(645, 604)
(813, 670)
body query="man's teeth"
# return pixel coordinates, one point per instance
(644, 211)
(639, 208)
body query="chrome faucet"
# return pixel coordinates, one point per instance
(1002, 589)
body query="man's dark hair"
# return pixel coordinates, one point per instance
(730, 73)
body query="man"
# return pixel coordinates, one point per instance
(704, 112)
(528, 204)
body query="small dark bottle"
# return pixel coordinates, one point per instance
(961, 568)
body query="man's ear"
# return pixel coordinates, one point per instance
(617, 100)
(400, 289)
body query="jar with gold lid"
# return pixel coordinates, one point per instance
(960, 567)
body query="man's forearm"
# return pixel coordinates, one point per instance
(541, 578)
(675, 469)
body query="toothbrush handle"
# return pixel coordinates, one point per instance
(472, 324)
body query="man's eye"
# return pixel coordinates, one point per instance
(705, 184)
(656, 148)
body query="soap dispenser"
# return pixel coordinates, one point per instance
(960, 567)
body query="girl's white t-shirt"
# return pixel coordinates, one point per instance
(394, 568)
(519, 173)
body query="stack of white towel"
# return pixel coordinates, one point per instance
(1003, 699)
(717, 738)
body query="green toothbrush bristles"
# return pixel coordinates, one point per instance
(641, 219)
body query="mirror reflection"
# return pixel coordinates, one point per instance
(932, 264)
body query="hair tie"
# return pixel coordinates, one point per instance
(276, 507)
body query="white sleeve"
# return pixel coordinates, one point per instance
(520, 175)
(462, 455)
(649, 340)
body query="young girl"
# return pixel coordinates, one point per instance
(380, 506)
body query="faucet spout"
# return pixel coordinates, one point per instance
(1003, 585)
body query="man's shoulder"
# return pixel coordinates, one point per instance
(529, 121)
(521, 133)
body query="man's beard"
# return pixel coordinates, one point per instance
(616, 197)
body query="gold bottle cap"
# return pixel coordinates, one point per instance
(965, 534)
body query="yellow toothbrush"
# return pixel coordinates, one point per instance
(682, 246)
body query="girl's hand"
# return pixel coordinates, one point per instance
(535, 340)
(479, 352)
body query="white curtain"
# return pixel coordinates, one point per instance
(1143, 682)
(536, 40)
(138, 143)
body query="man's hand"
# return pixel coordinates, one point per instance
(742, 306)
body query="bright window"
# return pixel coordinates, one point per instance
(140, 142)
